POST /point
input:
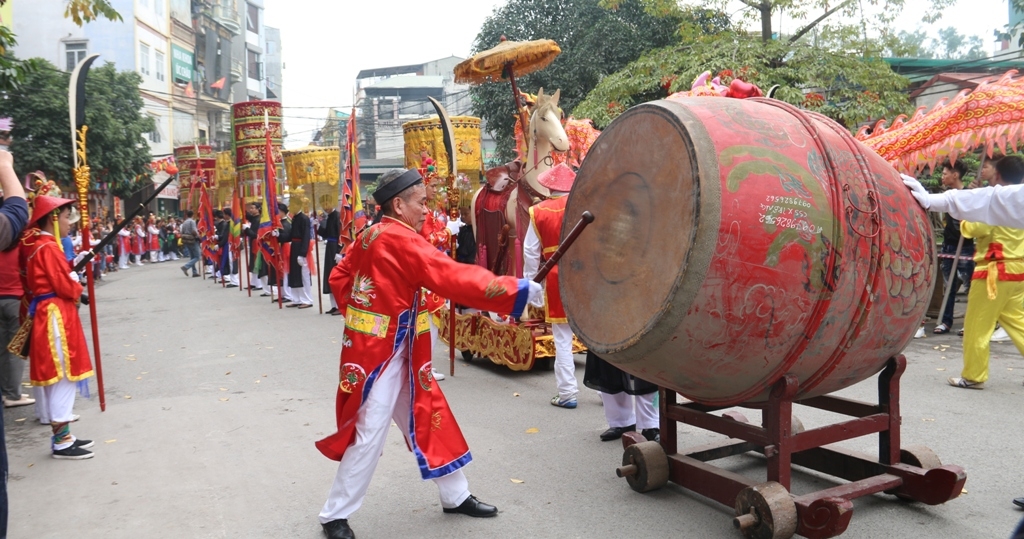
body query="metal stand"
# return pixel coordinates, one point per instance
(768, 510)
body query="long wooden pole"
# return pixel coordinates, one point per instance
(316, 246)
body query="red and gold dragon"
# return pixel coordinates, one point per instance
(990, 116)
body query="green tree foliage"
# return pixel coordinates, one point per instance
(41, 137)
(846, 87)
(83, 11)
(595, 42)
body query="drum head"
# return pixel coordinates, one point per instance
(623, 282)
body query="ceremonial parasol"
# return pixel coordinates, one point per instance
(508, 59)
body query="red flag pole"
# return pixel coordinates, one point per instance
(90, 283)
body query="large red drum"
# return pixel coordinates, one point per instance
(736, 241)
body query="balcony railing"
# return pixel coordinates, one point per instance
(237, 70)
(227, 16)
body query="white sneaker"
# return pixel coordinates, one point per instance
(437, 375)
(1000, 336)
(920, 333)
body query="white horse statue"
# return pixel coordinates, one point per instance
(499, 212)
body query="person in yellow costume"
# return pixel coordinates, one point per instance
(997, 294)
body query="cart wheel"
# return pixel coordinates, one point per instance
(645, 466)
(920, 456)
(467, 356)
(765, 511)
(796, 426)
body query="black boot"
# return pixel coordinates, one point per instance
(652, 435)
(338, 529)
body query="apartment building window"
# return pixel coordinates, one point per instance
(158, 7)
(255, 67)
(143, 58)
(158, 58)
(252, 18)
(154, 135)
(74, 52)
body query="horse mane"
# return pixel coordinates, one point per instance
(545, 104)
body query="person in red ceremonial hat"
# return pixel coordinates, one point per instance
(540, 242)
(386, 358)
(58, 353)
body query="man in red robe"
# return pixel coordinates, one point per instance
(386, 357)
(58, 353)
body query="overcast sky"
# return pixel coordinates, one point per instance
(326, 42)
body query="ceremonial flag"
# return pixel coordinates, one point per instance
(219, 85)
(189, 91)
(353, 217)
(269, 218)
(236, 222)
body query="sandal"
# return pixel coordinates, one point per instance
(961, 332)
(940, 329)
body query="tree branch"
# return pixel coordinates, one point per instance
(800, 33)
(755, 5)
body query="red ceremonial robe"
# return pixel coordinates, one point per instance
(376, 285)
(546, 219)
(53, 296)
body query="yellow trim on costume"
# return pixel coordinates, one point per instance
(549, 250)
(533, 225)
(403, 223)
(423, 322)
(51, 310)
(547, 311)
(373, 324)
(991, 279)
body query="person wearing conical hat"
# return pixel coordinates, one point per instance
(541, 241)
(58, 353)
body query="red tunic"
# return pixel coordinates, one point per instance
(138, 241)
(153, 239)
(54, 295)
(546, 220)
(375, 285)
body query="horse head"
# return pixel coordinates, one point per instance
(546, 123)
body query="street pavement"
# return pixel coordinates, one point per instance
(214, 400)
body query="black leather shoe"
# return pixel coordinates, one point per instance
(332, 311)
(615, 433)
(1019, 502)
(474, 508)
(652, 435)
(338, 529)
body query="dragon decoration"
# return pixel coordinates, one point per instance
(990, 116)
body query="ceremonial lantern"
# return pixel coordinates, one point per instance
(424, 138)
(740, 240)
(316, 167)
(247, 120)
(190, 164)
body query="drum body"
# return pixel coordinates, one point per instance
(250, 142)
(736, 241)
(190, 165)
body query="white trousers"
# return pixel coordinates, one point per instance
(233, 277)
(623, 410)
(54, 403)
(255, 281)
(388, 400)
(122, 261)
(303, 295)
(155, 256)
(565, 367)
(334, 304)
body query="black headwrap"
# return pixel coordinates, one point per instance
(386, 192)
